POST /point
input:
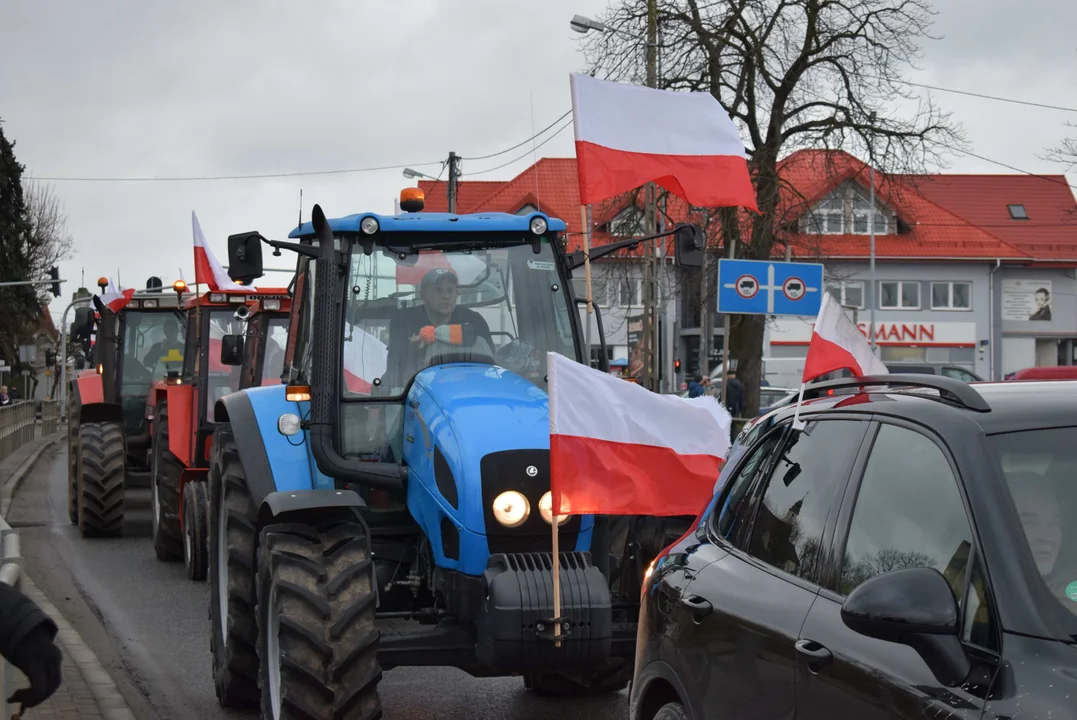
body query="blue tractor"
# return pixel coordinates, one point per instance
(388, 504)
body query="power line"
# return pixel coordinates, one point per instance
(520, 144)
(988, 97)
(233, 177)
(521, 157)
(1002, 164)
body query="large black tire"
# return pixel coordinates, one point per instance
(558, 685)
(316, 634)
(101, 478)
(195, 546)
(232, 538)
(670, 711)
(166, 469)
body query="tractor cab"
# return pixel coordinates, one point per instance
(260, 351)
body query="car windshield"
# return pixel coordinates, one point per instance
(503, 305)
(275, 341)
(1040, 466)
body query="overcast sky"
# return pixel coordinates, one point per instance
(149, 88)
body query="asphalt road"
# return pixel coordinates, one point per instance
(149, 625)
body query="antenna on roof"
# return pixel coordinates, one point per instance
(300, 223)
(534, 150)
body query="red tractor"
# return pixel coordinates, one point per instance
(219, 324)
(133, 347)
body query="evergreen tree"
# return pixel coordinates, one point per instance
(18, 305)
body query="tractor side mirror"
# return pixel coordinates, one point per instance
(82, 325)
(245, 257)
(689, 244)
(232, 350)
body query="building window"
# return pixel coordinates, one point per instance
(834, 216)
(630, 292)
(828, 217)
(599, 290)
(527, 210)
(951, 296)
(1017, 212)
(899, 295)
(627, 223)
(862, 211)
(850, 293)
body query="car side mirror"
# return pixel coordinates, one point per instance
(232, 350)
(913, 607)
(689, 243)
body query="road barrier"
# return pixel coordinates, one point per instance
(19, 424)
(10, 574)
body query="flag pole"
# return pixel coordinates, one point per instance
(797, 424)
(556, 585)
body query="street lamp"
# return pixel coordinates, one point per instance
(874, 284)
(412, 174)
(583, 24)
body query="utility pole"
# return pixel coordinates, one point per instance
(454, 178)
(650, 338)
(705, 339)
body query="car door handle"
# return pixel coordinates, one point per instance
(700, 606)
(817, 655)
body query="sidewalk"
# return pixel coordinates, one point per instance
(87, 691)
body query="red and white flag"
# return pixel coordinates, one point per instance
(467, 268)
(207, 271)
(837, 344)
(627, 136)
(115, 299)
(365, 359)
(619, 449)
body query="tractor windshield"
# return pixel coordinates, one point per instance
(221, 379)
(407, 311)
(152, 347)
(276, 339)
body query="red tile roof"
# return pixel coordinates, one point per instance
(941, 216)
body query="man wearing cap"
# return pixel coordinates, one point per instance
(437, 319)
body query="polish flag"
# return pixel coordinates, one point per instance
(114, 299)
(466, 267)
(618, 449)
(837, 344)
(627, 136)
(365, 358)
(207, 271)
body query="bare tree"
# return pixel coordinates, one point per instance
(792, 74)
(1065, 153)
(49, 241)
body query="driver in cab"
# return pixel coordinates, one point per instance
(437, 319)
(160, 349)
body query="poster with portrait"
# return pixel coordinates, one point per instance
(1026, 300)
(635, 348)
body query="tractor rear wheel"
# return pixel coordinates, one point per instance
(232, 537)
(101, 477)
(166, 470)
(194, 530)
(316, 636)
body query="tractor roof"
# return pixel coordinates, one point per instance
(246, 296)
(436, 222)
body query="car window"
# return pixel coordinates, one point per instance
(800, 494)
(1039, 467)
(908, 513)
(734, 513)
(959, 374)
(979, 623)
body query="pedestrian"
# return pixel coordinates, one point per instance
(5, 399)
(734, 400)
(695, 388)
(712, 389)
(27, 638)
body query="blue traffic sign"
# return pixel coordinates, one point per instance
(761, 287)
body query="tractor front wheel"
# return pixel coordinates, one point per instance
(232, 537)
(194, 530)
(317, 641)
(101, 477)
(166, 471)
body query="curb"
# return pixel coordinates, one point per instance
(109, 700)
(7, 493)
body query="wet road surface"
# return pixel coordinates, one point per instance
(149, 624)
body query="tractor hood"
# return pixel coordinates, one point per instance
(459, 414)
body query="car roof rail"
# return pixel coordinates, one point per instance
(954, 390)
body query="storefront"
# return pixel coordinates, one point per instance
(935, 343)
(1038, 313)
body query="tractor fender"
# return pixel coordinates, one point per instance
(272, 462)
(89, 399)
(180, 399)
(281, 506)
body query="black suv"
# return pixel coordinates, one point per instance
(909, 550)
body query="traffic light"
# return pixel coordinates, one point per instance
(50, 358)
(54, 274)
(676, 365)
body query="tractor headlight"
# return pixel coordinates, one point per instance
(149, 303)
(288, 424)
(218, 298)
(511, 509)
(546, 510)
(369, 225)
(272, 304)
(538, 225)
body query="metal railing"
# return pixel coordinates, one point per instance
(10, 574)
(24, 421)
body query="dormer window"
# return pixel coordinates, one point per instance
(527, 210)
(627, 223)
(1017, 212)
(845, 212)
